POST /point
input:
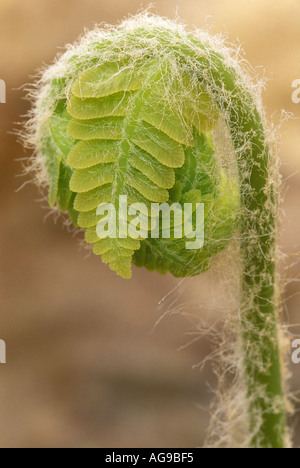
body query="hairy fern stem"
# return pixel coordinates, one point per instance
(259, 307)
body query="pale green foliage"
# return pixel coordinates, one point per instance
(124, 115)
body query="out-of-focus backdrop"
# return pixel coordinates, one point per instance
(85, 365)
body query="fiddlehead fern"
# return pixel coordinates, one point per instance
(124, 129)
(132, 112)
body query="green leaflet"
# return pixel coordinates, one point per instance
(166, 255)
(109, 128)
(158, 114)
(118, 135)
(58, 127)
(84, 180)
(85, 109)
(56, 147)
(95, 152)
(154, 170)
(159, 145)
(107, 79)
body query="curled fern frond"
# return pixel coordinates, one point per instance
(134, 113)
(128, 117)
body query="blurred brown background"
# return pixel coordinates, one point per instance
(84, 368)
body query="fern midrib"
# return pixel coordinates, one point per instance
(131, 123)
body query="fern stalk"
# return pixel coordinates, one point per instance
(132, 112)
(259, 308)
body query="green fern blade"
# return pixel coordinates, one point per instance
(58, 128)
(84, 180)
(157, 113)
(145, 187)
(87, 154)
(57, 147)
(107, 79)
(117, 255)
(115, 105)
(92, 237)
(130, 244)
(101, 246)
(111, 255)
(159, 145)
(107, 128)
(122, 266)
(89, 201)
(162, 176)
(52, 163)
(64, 195)
(88, 219)
(200, 170)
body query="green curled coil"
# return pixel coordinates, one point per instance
(136, 112)
(132, 120)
